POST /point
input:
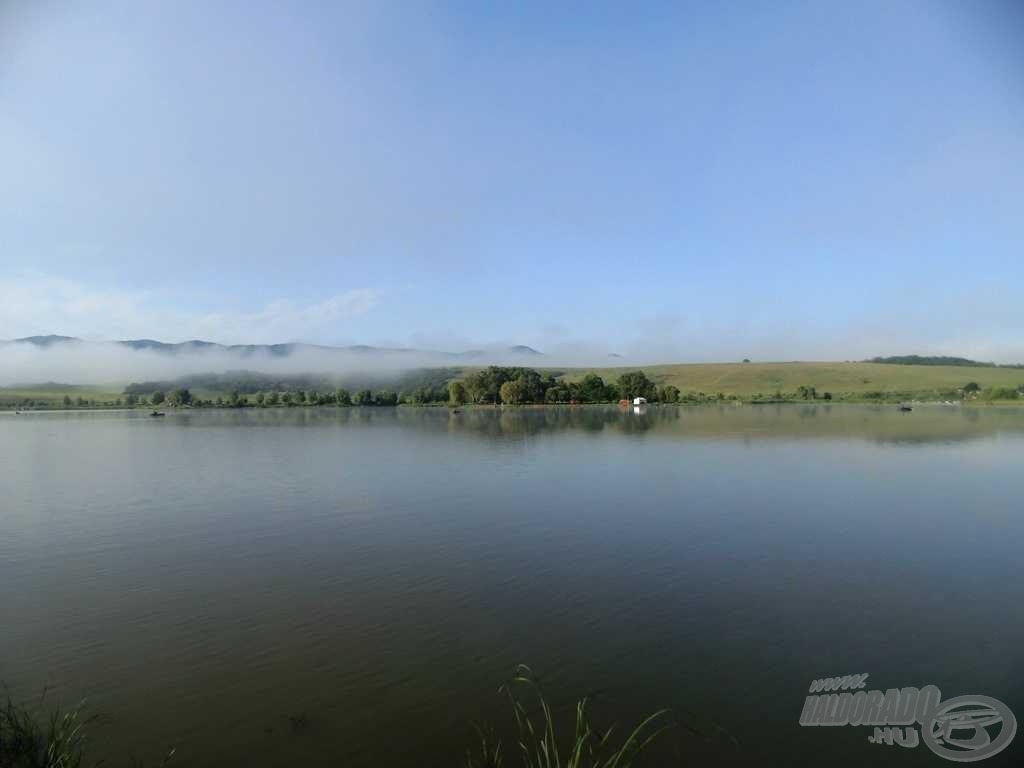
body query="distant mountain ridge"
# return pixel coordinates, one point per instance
(274, 350)
(44, 341)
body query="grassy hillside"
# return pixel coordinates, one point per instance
(852, 379)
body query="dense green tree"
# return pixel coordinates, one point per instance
(425, 394)
(385, 397)
(67, 401)
(482, 386)
(531, 386)
(273, 398)
(457, 393)
(180, 396)
(286, 398)
(513, 392)
(635, 384)
(157, 398)
(363, 397)
(342, 397)
(592, 389)
(558, 393)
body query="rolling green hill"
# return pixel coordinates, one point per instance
(851, 379)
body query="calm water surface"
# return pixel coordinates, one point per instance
(204, 578)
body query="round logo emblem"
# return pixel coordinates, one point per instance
(969, 728)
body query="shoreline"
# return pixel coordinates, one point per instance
(735, 402)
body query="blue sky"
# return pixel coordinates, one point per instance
(704, 181)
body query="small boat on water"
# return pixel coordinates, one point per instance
(905, 407)
(154, 414)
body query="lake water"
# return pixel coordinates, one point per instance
(349, 587)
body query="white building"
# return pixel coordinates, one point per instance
(639, 401)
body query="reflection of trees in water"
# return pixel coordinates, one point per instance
(807, 411)
(878, 424)
(510, 422)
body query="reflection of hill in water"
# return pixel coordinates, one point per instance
(884, 424)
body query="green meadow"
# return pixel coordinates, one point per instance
(52, 396)
(842, 380)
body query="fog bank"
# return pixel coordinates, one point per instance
(113, 363)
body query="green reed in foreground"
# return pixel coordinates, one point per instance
(540, 746)
(57, 741)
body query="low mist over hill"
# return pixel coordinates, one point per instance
(275, 350)
(69, 359)
(251, 382)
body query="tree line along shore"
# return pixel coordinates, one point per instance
(507, 385)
